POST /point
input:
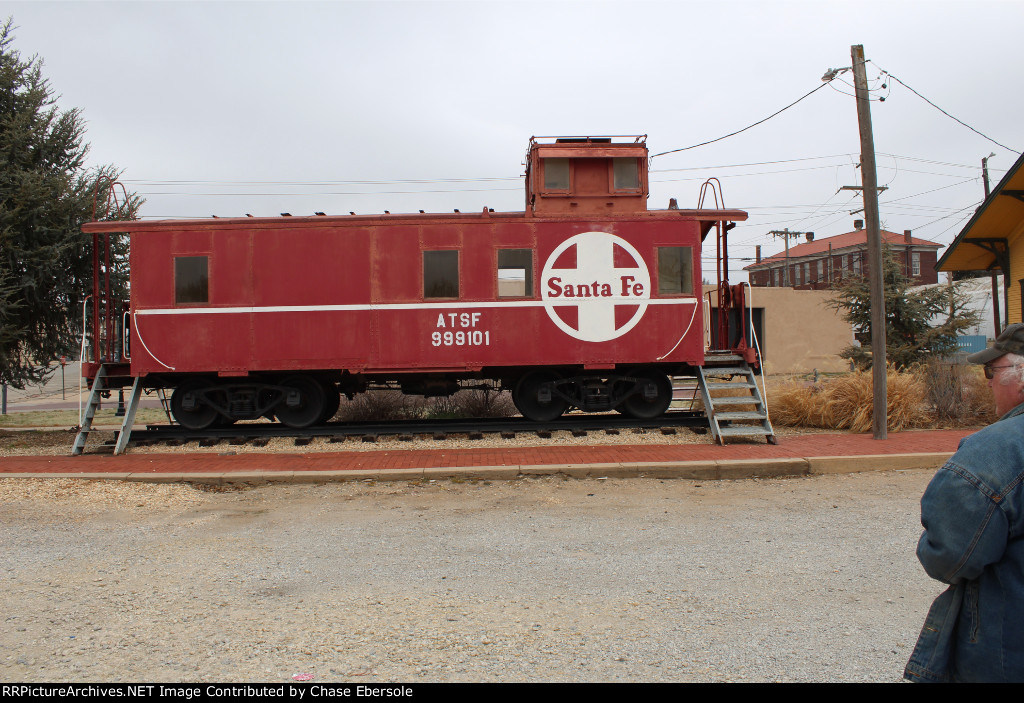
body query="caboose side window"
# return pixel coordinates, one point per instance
(515, 273)
(556, 174)
(441, 274)
(626, 174)
(191, 279)
(675, 270)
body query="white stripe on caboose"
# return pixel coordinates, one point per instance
(393, 306)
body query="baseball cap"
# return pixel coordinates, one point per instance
(1011, 341)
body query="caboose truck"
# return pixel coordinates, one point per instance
(585, 300)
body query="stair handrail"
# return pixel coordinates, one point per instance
(707, 321)
(81, 357)
(757, 348)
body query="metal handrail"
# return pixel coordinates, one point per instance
(126, 334)
(81, 358)
(707, 321)
(757, 348)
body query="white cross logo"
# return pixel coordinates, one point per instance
(596, 286)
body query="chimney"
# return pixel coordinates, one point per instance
(757, 254)
(810, 236)
(907, 238)
(858, 224)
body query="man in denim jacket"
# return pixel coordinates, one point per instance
(973, 517)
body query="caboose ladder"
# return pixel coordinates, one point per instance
(741, 392)
(98, 386)
(129, 416)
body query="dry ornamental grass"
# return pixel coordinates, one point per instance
(917, 398)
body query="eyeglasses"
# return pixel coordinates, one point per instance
(990, 370)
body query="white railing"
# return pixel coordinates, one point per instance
(749, 297)
(81, 358)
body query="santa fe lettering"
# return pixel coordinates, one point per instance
(630, 288)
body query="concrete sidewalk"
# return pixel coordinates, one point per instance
(793, 456)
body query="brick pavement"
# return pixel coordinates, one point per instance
(799, 455)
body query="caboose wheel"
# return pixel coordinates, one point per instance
(535, 397)
(652, 398)
(189, 407)
(303, 403)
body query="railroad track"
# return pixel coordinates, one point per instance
(258, 434)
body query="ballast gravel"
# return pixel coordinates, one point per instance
(801, 579)
(58, 442)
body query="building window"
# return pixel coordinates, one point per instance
(675, 270)
(776, 272)
(191, 279)
(915, 263)
(796, 275)
(821, 269)
(556, 174)
(515, 273)
(441, 274)
(843, 263)
(856, 263)
(807, 272)
(625, 174)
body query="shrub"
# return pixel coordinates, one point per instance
(379, 405)
(472, 403)
(846, 402)
(374, 406)
(958, 393)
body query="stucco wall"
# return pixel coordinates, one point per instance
(801, 333)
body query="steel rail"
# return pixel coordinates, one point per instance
(436, 428)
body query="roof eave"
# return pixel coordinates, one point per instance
(960, 238)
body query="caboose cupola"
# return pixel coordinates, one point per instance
(586, 175)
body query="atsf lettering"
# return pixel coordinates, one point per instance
(464, 333)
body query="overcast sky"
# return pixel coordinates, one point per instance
(235, 107)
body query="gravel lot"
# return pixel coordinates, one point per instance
(803, 579)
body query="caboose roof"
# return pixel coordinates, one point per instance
(706, 216)
(590, 147)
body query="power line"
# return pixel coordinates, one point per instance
(425, 181)
(733, 134)
(1016, 151)
(152, 181)
(327, 193)
(925, 192)
(929, 161)
(954, 214)
(753, 163)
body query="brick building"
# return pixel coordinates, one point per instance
(819, 263)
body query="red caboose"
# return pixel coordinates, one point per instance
(586, 299)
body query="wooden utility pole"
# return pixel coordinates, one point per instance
(786, 235)
(995, 278)
(876, 283)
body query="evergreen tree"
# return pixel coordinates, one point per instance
(46, 194)
(920, 323)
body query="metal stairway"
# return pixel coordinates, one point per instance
(742, 392)
(685, 392)
(165, 404)
(99, 385)
(95, 396)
